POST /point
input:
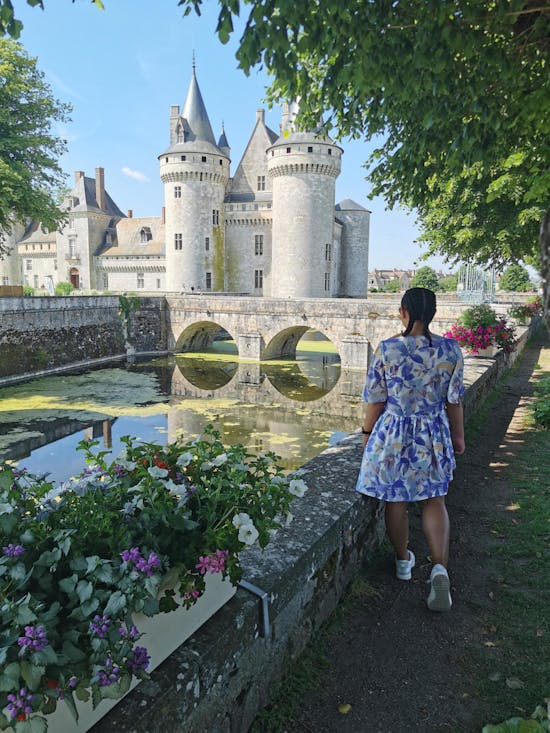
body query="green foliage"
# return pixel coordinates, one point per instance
(425, 277)
(11, 26)
(541, 407)
(63, 288)
(30, 173)
(135, 534)
(479, 315)
(393, 286)
(515, 278)
(448, 283)
(28, 291)
(537, 723)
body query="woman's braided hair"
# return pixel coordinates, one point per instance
(420, 304)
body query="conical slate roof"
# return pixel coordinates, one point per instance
(222, 142)
(194, 111)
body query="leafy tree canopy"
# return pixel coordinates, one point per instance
(515, 278)
(425, 277)
(30, 175)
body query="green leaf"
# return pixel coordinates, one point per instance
(115, 604)
(89, 607)
(72, 653)
(84, 590)
(82, 694)
(32, 674)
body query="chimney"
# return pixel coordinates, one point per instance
(260, 115)
(77, 176)
(163, 215)
(130, 213)
(100, 189)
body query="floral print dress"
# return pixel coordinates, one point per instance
(409, 455)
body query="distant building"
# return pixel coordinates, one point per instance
(271, 229)
(379, 279)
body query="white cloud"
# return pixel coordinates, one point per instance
(136, 175)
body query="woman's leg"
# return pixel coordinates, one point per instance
(397, 527)
(435, 523)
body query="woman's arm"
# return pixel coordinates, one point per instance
(456, 421)
(372, 413)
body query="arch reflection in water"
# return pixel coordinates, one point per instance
(305, 380)
(206, 374)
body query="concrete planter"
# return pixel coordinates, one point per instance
(163, 634)
(489, 352)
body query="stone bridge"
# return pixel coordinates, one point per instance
(270, 328)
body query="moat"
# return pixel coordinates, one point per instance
(293, 408)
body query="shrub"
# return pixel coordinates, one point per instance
(63, 288)
(541, 408)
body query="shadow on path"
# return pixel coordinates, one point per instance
(397, 664)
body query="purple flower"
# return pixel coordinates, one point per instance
(130, 633)
(140, 659)
(119, 470)
(109, 675)
(35, 639)
(20, 704)
(12, 550)
(133, 555)
(100, 625)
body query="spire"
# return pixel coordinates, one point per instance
(194, 111)
(222, 142)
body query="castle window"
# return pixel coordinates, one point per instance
(72, 247)
(327, 281)
(261, 183)
(208, 281)
(207, 244)
(29, 265)
(178, 241)
(177, 192)
(221, 161)
(258, 279)
(145, 235)
(328, 252)
(55, 264)
(183, 157)
(330, 151)
(105, 281)
(215, 217)
(259, 244)
(5, 280)
(203, 159)
(166, 160)
(289, 150)
(36, 281)
(158, 283)
(309, 149)
(140, 280)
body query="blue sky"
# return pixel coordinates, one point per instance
(122, 68)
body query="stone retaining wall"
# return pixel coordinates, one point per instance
(39, 334)
(223, 675)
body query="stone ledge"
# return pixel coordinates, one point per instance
(223, 675)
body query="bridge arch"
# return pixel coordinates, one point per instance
(198, 336)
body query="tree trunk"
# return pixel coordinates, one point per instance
(545, 266)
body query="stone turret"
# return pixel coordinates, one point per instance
(194, 171)
(303, 168)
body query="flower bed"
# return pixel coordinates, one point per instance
(125, 537)
(479, 328)
(526, 311)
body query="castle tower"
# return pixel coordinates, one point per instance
(194, 171)
(303, 168)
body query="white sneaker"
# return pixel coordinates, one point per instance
(403, 568)
(439, 598)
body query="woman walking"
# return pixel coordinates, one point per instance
(412, 429)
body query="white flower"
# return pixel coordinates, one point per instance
(288, 518)
(278, 480)
(297, 487)
(206, 466)
(248, 534)
(122, 456)
(241, 519)
(157, 472)
(219, 460)
(177, 489)
(127, 465)
(184, 459)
